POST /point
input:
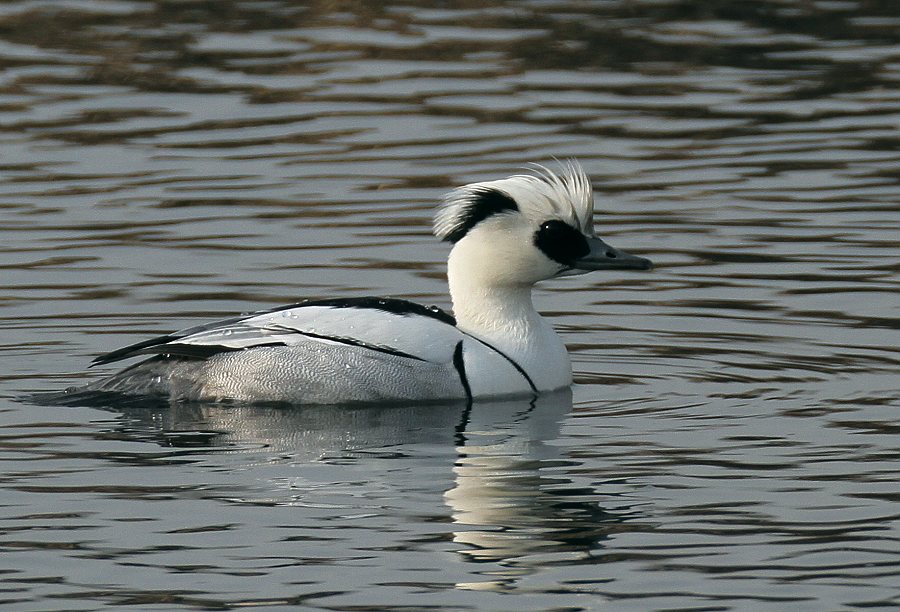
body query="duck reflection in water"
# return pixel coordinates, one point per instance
(514, 496)
(499, 467)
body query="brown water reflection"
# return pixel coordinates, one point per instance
(731, 440)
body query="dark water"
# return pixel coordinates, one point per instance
(731, 442)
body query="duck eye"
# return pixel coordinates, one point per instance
(561, 242)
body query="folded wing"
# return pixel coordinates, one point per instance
(381, 325)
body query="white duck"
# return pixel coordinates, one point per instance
(507, 235)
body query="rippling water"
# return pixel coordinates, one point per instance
(731, 441)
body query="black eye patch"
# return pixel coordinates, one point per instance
(561, 242)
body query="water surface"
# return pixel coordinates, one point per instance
(731, 439)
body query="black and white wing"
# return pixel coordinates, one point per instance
(382, 325)
(323, 351)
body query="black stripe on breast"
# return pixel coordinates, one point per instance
(518, 368)
(460, 364)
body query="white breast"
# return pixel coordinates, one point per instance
(501, 364)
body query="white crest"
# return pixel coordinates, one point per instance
(566, 195)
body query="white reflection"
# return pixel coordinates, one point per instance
(516, 496)
(514, 501)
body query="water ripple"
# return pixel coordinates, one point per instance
(730, 440)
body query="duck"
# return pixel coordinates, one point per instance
(506, 235)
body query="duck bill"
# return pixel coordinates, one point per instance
(605, 257)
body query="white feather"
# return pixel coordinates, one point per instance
(566, 195)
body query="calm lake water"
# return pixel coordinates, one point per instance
(731, 442)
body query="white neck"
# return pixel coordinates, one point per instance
(503, 315)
